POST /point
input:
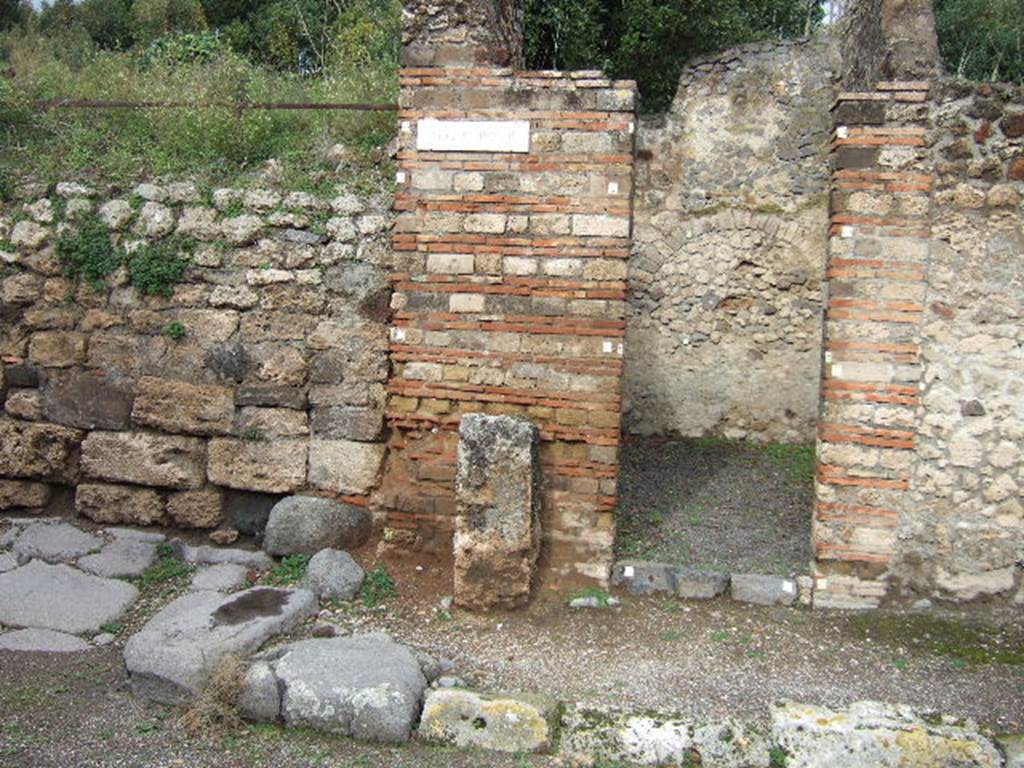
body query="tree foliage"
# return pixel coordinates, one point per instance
(982, 39)
(651, 40)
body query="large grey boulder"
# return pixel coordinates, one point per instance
(170, 659)
(364, 686)
(61, 598)
(333, 575)
(55, 542)
(869, 733)
(123, 558)
(307, 524)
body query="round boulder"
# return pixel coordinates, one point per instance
(332, 574)
(307, 524)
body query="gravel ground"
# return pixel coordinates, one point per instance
(718, 505)
(703, 660)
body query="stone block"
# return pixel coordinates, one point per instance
(364, 686)
(345, 466)
(516, 723)
(143, 458)
(178, 406)
(120, 504)
(86, 399)
(269, 466)
(24, 404)
(23, 494)
(614, 736)
(271, 395)
(202, 508)
(57, 349)
(763, 590)
(599, 225)
(333, 575)
(497, 535)
(643, 578)
(39, 451)
(874, 733)
(348, 423)
(693, 584)
(272, 422)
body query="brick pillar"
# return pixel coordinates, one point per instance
(514, 226)
(877, 261)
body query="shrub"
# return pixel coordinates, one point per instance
(290, 570)
(183, 48)
(176, 331)
(87, 253)
(155, 18)
(156, 268)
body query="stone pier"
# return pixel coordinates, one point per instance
(497, 534)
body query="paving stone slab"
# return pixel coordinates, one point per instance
(62, 598)
(42, 641)
(55, 542)
(8, 562)
(171, 657)
(151, 537)
(219, 578)
(365, 686)
(208, 555)
(121, 559)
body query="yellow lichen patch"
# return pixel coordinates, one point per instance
(919, 749)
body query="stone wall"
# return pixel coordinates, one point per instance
(968, 530)
(262, 374)
(731, 212)
(919, 447)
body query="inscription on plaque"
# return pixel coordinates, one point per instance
(473, 135)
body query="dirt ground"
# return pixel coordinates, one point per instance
(718, 505)
(702, 660)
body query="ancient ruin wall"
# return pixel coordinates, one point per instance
(277, 384)
(968, 529)
(731, 213)
(510, 288)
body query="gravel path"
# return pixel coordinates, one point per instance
(717, 505)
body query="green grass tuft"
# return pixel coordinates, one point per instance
(379, 587)
(290, 570)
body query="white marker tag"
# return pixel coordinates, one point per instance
(400, 177)
(846, 231)
(789, 587)
(628, 571)
(613, 187)
(607, 347)
(398, 334)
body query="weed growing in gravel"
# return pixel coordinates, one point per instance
(217, 706)
(290, 570)
(600, 595)
(252, 434)
(379, 587)
(777, 757)
(112, 627)
(168, 568)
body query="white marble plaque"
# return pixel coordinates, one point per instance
(473, 135)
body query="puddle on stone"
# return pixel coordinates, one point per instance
(252, 605)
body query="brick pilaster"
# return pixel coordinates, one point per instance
(877, 262)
